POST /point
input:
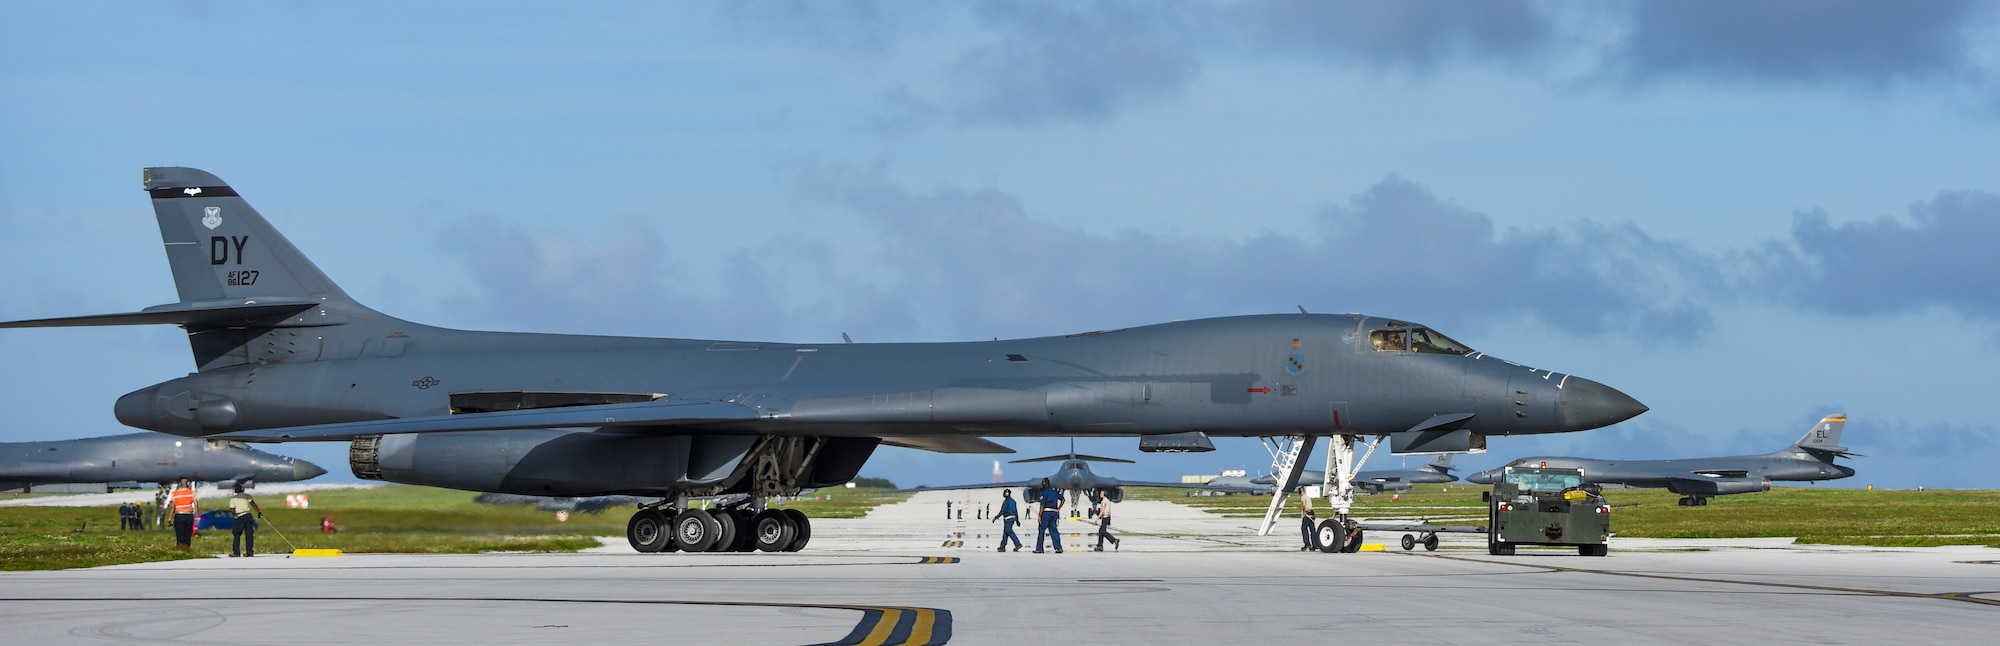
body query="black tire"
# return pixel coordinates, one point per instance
(1431, 543)
(804, 529)
(1593, 550)
(648, 531)
(772, 530)
(696, 531)
(1353, 543)
(1500, 549)
(1409, 542)
(726, 533)
(746, 535)
(1330, 535)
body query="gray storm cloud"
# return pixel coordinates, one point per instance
(1805, 42)
(1088, 62)
(1939, 256)
(953, 263)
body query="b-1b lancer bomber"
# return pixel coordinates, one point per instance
(1698, 479)
(137, 458)
(283, 354)
(1073, 476)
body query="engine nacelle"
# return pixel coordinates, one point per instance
(1718, 487)
(552, 463)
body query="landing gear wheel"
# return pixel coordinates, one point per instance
(1409, 542)
(1431, 543)
(746, 537)
(647, 531)
(805, 530)
(772, 530)
(1353, 543)
(1330, 536)
(727, 535)
(696, 531)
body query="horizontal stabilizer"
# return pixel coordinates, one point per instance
(947, 444)
(1073, 456)
(664, 412)
(197, 314)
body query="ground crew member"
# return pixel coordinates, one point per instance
(124, 516)
(947, 510)
(184, 515)
(1051, 502)
(1307, 525)
(243, 534)
(1104, 527)
(1008, 518)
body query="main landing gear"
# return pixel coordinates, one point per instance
(724, 529)
(1693, 501)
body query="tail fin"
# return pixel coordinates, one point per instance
(239, 281)
(1824, 438)
(222, 249)
(1441, 463)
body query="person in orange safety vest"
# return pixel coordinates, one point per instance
(184, 514)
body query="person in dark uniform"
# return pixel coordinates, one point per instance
(1008, 518)
(1051, 502)
(125, 516)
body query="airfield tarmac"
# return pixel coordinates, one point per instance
(906, 574)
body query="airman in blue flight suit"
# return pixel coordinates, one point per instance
(1051, 502)
(1008, 518)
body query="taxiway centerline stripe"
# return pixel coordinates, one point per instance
(885, 624)
(878, 624)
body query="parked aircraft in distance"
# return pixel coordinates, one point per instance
(1072, 476)
(128, 460)
(1698, 479)
(586, 504)
(274, 341)
(1437, 471)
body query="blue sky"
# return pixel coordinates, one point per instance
(1746, 214)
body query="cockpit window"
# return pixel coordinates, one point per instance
(1428, 341)
(231, 445)
(1539, 481)
(1388, 340)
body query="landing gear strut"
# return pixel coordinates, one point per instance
(773, 467)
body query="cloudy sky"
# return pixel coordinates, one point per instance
(1746, 214)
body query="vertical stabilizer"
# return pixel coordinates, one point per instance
(221, 248)
(1825, 436)
(1441, 463)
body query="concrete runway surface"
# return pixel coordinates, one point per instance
(1181, 577)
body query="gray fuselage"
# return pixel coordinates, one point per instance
(144, 457)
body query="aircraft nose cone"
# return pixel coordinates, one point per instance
(1587, 404)
(1484, 477)
(303, 470)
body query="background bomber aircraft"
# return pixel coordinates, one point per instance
(283, 354)
(1074, 477)
(1697, 479)
(1373, 481)
(141, 458)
